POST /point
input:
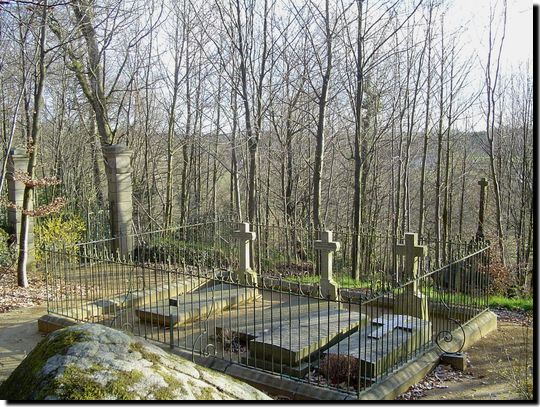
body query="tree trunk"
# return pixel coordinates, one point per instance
(22, 278)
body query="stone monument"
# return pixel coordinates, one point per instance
(329, 288)
(118, 163)
(244, 236)
(411, 301)
(18, 162)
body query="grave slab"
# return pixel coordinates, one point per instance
(264, 318)
(295, 340)
(151, 295)
(196, 305)
(385, 342)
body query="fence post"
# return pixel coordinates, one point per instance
(326, 246)
(411, 301)
(18, 162)
(118, 168)
(244, 236)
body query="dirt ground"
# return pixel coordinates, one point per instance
(498, 367)
(497, 364)
(18, 336)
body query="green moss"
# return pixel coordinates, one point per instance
(139, 347)
(119, 386)
(73, 384)
(25, 380)
(173, 386)
(206, 394)
(76, 384)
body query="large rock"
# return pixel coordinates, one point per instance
(94, 362)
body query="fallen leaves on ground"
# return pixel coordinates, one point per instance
(437, 379)
(12, 296)
(515, 317)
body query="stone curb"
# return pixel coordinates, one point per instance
(413, 372)
(387, 389)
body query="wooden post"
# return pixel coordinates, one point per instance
(411, 301)
(326, 246)
(245, 274)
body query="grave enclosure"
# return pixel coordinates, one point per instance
(226, 291)
(200, 295)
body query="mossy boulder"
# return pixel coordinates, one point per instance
(94, 362)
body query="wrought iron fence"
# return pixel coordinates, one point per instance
(178, 287)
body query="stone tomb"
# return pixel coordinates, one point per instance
(196, 305)
(384, 343)
(150, 296)
(288, 344)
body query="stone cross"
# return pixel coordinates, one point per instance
(483, 186)
(412, 301)
(245, 274)
(388, 323)
(412, 251)
(326, 246)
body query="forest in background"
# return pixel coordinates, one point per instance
(360, 114)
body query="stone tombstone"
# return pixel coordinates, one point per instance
(411, 301)
(118, 169)
(329, 288)
(18, 162)
(244, 236)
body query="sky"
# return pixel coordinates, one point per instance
(474, 14)
(473, 17)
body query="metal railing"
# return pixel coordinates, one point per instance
(178, 287)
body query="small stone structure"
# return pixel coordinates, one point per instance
(326, 246)
(94, 362)
(18, 162)
(245, 274)
(118, 169)
(411, 301)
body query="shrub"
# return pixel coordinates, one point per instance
(177, 252)
(500, 279)
(340, 369)
(64, 230)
